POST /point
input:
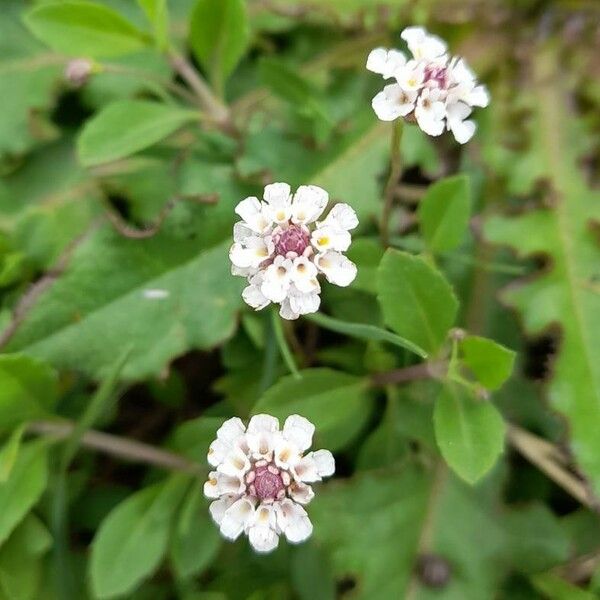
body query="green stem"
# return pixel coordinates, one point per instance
(270, 358)
(284, 349)
(390, 188)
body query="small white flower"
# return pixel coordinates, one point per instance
(432, 88)
(261, 479)
(279, 245)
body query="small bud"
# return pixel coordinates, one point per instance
(481, 393)
(434, 571)
(78, 71)
(458, 334)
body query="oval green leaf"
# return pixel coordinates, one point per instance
(128, 126)
(469, 432)
(444, 213)
(417, 301)
(84, 29)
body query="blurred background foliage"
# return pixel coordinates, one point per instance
(119, 313)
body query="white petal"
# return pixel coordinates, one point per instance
(286, 453)
(306, 470)
(463, 130)
(262, 532)
(299, 431)
(260, 444)
(303, 274)
(217, 452)
(304, 304)
(230, 430)
(410, 79)
(276, 280)
(385, 62)
(278, 194)
(324, 461)
(241, 232)
(219, 484)
(428, 121)
(301, 493)
(252, 254)
(235, 518)
(385, 109)
(338, 269)
(217, 509)
(293, 521)
(479, 96)
(422, 44)
(235, 464)
(286, 312)
(255, 298)
(250, 209)
(260, 423)
(308, 204)
(325, 238)
(342, 216)
(376, 61)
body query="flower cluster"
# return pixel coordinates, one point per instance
(261, 479)
(281, 247)
(434, 89)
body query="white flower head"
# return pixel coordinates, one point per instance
(280, 247)
(433, 89)
(260, 483)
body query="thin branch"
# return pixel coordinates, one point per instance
(411, 193)
(126, 230)
(426, 370)
(214, 107)
(551, 461)
(28, 300)
(120, 447)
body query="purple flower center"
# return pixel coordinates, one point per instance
(437, 75)
(292, 239)
(267, 483)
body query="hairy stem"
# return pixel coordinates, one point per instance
(426, 370)
(392, 184)
(120, 447)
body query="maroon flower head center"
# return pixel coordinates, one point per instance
(292, 239)
(267, 483)
(437, 75)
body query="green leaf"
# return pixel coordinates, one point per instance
(196, 540)
(157, 12)
(21, 491)
(489, 361)
(364, 332)
(28, 389)
(366, 254)
(107, 301)
(444, 213)
(128, 126)
(21, 560)
(219, 35)
(469, 432)
(554, 587)
(376, 527)
(84, 29)
(417, 301)
(28, 82)
(132, 539)
(565, 292)
(10, 451)
(338, 404)
(536, 538)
